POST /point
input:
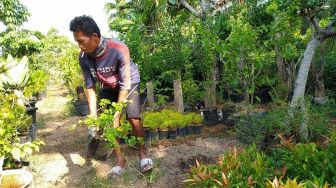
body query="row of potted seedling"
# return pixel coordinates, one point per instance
(170, 124)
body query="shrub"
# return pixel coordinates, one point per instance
(307, 161)
(246, 168)
(261, 129)
(12, 118)
(256, 129)
(105, 122)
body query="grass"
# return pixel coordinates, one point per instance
(130, 178)
(92, 180)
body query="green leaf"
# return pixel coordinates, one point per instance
(16, 153)
(28, 150)
(172, 2)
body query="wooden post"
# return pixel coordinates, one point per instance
(178, 96)
(150, 93)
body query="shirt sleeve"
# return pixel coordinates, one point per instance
(124, 64)
(88, 77)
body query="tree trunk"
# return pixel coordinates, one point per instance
(300, 84)
(210, 88)
(150, 93)
(178, 96)
(301, 81)
(317, 70)
(280, 61)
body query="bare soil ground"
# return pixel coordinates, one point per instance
(62, 162)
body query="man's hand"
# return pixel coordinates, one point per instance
(116, 120)
(92, 100)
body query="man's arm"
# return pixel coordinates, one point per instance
(125, 79)
(92, 100)
(121, 97)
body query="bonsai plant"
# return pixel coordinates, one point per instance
(163, 130)
(181, 125)
(188, 120)
(172, 127)
(104, 122)
(196, 120)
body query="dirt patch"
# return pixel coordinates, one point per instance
(185, 165)
(62, 162)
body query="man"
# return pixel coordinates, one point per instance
(108, 62)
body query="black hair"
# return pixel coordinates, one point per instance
(85, 24)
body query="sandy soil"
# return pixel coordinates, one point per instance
(62, 162)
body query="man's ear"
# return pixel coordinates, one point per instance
(95, 36)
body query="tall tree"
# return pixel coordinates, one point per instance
(314, 11)
(13, 13)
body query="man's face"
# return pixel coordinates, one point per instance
(87, 44)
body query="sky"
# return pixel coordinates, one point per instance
(58, 14)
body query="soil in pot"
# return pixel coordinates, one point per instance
(82, 107)
(163, 134)
(181, 131)
(172, 133)
(210, 116)
(197, 129)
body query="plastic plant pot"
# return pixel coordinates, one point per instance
(227, 112)
(31, 110)
(181, 131)
(32, 132)
(210, 116)
(82, 107)
(189, 130)
(172, 133)
(197, 129)
(147, 135)
(154, 135)
(163, 134)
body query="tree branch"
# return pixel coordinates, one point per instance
(189, 7)
(316, 25)
(332, 22)
(329, 33)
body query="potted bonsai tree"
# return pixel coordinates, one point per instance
(104, 121)
(196, 123)
(181, 123)
(163, 130)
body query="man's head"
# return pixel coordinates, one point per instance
(86, 33)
